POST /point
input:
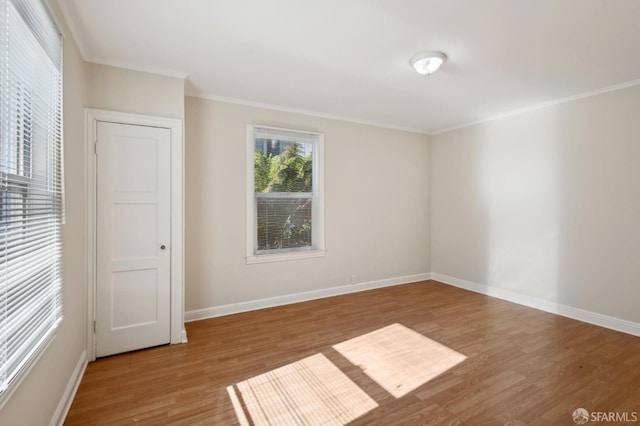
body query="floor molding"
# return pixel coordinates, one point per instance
(70, 391)
(601, 320)
(235, 308)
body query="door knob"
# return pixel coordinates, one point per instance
(162, 247)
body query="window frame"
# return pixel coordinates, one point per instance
(317, 196)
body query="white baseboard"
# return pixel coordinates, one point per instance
(235, 308)
(601, 320)
(183, 336)
(70, 392)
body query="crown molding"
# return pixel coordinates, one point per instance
(71, 19)
(524, 110)
(213, 97)
(150, 70)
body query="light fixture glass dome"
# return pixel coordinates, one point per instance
(426, 63)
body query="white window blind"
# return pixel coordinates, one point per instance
(286, 200)
(31, 183)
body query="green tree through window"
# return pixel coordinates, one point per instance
(283, 187)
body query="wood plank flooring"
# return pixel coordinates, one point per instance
(523, 366)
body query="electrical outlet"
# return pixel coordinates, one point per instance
(354, 279)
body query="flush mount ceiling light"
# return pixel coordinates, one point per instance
(426, 63)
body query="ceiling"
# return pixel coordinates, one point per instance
(350, 59)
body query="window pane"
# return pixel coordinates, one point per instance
(283, 223)
(283, 166)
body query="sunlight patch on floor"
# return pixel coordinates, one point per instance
(398, 358)
(311, 391)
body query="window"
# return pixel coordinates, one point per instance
(285, 203)
(31, 189)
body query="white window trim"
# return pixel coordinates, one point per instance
(92, 117)
(318, 214)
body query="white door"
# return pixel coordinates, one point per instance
(133, 305)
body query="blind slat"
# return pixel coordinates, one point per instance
(31, 183)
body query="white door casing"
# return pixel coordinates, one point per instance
(134, 263)
(133, 237)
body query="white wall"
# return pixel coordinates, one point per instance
(545, 204)
(376, 197)
(34, 402)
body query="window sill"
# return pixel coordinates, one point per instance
(279, 257)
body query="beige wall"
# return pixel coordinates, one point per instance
(376, 198)
(137, 92)
(545, 204)
(35, 400)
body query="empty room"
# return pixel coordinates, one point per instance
(279, 212)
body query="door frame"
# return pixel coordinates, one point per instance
(92, 117)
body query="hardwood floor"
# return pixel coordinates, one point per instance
(523, 366)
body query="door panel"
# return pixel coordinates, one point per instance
(133, 304)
